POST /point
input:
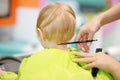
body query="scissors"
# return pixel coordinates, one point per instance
(76, 42)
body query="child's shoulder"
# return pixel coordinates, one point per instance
(49, 52)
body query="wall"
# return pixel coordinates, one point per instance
(23, 31)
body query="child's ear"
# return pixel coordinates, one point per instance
(40, 36)
(40, 33)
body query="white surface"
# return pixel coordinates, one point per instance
(25, 28)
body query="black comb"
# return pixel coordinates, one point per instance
(76, 42)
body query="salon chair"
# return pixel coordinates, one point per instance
(9, 63)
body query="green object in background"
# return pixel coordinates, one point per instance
(95, 3)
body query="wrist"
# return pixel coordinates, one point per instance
(101, 19)
(97, 23)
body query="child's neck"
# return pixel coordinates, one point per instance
(63, 47)
(54, 45)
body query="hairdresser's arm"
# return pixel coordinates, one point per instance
(88, 30)
(101, 61)
(111, 15)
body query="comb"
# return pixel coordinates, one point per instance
(76, 42)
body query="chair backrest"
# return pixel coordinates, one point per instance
(9, 63)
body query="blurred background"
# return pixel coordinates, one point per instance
(18, 22)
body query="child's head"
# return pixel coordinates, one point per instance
(56, 24)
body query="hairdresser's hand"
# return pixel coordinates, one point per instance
(99, 60)
(87, 32)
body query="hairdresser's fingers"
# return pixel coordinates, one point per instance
(90, 37)
(82, 44)
(78, 38)
(86, 48)
(86, 60)
(87, 66)
(83, 54)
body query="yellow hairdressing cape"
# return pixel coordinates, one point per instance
(53, 64)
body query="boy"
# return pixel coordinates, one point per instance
(55, 25)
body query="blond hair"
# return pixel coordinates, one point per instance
(56, 23)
